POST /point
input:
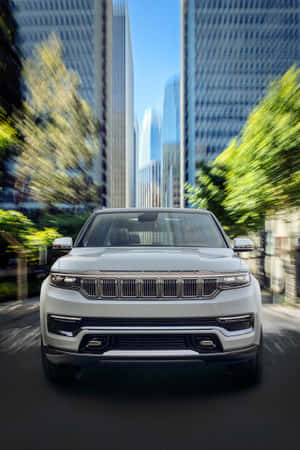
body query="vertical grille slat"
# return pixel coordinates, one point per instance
(190, 288)
(109, 288)
(170, 288)
(128, 288)
(149, 288)
(90, 287)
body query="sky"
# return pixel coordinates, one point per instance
(155, 35)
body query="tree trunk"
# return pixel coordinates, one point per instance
(22, 277)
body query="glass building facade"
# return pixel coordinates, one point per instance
(231, 50)
(170, 192)
(150, 145)
(122, 192)
(85, 30)
(135, 160)
(149, 185)
(149, 162)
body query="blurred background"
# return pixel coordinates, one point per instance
(149, 104)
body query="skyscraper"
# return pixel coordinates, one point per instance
(150, 144)
(85, 29)
(122, 191)
(149, 172)
(135, 159)
(170, 192)
(231, 50)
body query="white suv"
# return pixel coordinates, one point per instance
(151, 286)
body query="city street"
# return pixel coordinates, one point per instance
(139, 408)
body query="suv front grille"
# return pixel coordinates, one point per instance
(162, 286)
(149, 342)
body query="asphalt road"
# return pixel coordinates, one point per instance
(160, 409)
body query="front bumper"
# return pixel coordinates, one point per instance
(183, 358)
(235, 345)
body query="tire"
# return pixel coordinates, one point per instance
(55, 373)
(251, 372)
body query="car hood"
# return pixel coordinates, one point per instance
(150, 259)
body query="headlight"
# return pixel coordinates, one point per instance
(234, 281)
(64, 281)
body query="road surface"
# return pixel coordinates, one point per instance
(141, 409)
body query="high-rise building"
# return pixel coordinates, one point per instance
(149, 168)
(122, 188)
(135, 159)
(170, 191)
(150, 143)
(149, 185)
(85, 30)
(231, 50)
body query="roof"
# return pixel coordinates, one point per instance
(135, 210)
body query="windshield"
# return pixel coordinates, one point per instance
(167, 229)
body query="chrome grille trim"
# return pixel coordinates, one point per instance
(149, 285)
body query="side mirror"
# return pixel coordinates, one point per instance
(242, 245)
(64, 243)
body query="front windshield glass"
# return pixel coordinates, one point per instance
(154, 229)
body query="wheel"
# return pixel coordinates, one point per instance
(251, 372)
(55, 373)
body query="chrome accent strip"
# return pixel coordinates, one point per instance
(200, 287)
(150, 274)
(70, 318)
(151, 353)
(184, 329)
(179, 287)
(233, 318)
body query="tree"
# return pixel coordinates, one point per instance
(59, 130)
(10, 63)
(264, 163)
(8, 141)
(10, 90)
(210, 193)
(259, 173)
(26, 240)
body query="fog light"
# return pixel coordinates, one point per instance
(94, 343)
(208, 343)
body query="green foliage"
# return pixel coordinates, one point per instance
(67, 224)
(259, 173)
(8, 139)
(10, 89)
(23, 236)
(60, 132)
(210, 193)
(264, 163)
(16, 224)
(8, 290)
